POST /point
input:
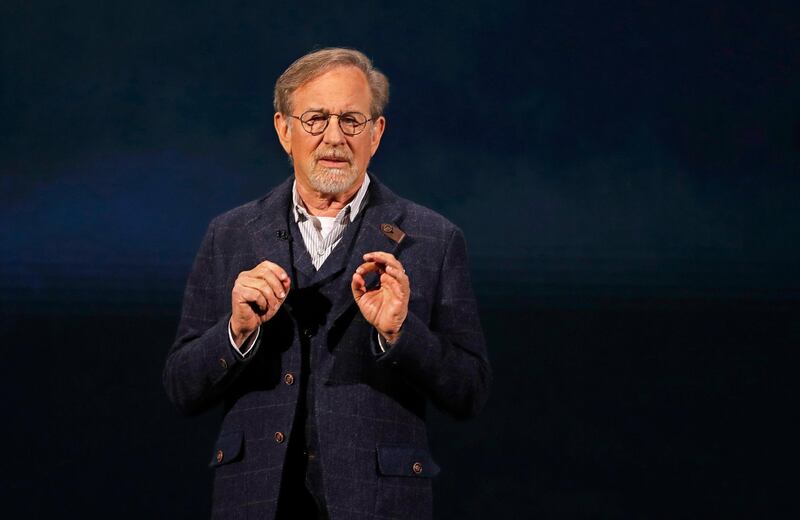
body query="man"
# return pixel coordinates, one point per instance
(324, 316)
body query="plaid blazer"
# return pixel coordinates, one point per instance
(369, 408)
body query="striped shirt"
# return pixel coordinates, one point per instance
(322, 234)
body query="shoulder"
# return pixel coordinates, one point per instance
(416, 219)
(254, 210)
(427, 221)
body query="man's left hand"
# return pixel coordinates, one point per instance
(385, 306)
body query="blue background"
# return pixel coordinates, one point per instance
(626, 174)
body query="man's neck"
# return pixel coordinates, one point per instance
(326, 204)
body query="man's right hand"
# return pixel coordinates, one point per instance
(256, 297)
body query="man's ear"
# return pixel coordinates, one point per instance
(376, 133)
(284, 131)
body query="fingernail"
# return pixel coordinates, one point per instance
(282, 294)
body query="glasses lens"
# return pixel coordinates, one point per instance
(314, 122)
(352, 123)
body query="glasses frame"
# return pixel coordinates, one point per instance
(303, 124)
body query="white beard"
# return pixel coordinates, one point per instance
(332, 181)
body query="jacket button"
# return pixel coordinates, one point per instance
(307, 333)
(288, 378)
(279, 437)
(416, 468)
(223, 363)
(220, 456)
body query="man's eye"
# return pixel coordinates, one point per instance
(316, 118)
(348, 120)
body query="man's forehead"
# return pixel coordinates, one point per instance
(346, 86)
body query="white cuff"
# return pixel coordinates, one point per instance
(382, 343)
(248, 344)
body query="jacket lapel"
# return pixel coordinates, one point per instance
(381, 209)
(269, 228)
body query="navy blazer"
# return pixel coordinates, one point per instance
(369, 408)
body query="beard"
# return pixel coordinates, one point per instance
(332, 181)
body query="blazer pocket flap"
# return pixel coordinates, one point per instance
(406, 461)
(228, 448)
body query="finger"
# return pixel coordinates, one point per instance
(395, 287)
(369, 267)
(267, 270)
(254, 298)
(275, 269)
(398, 273)
(272, 280)
(358, 286)
(383, 258)
(261, 286)
(282, 277)
(396, 281)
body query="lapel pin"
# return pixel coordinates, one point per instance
(282, 234)
(393, 232)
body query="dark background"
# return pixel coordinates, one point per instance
(626, 174)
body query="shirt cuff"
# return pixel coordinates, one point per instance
(381, 342)
(248, 344)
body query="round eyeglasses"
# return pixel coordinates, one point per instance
(315, 122)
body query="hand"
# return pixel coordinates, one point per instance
(386, 306)
(256, 297)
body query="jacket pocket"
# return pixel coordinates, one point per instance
(406, 461)
(228, 448)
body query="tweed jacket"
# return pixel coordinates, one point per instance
(369, 406)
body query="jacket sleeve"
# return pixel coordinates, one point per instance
(202, 362)
(446, 359)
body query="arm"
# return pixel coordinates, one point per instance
(445, 358)
(202, 362)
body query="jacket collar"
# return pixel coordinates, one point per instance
(269, 226)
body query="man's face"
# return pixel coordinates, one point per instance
(332, 162)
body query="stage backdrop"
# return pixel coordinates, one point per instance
(626, 174)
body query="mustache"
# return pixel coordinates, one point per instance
(332, 153)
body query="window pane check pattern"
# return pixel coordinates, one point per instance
(321, 236)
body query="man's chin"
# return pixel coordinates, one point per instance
(332, 181)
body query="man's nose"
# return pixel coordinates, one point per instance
(333, 134)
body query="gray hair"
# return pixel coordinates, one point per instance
(316, 63)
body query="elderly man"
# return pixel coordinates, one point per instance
(324, 316)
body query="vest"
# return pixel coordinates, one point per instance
(312, 298)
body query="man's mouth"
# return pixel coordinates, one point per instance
(332, 161)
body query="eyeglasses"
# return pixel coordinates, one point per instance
(315, 122)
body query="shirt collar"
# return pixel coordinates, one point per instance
(352, 208)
